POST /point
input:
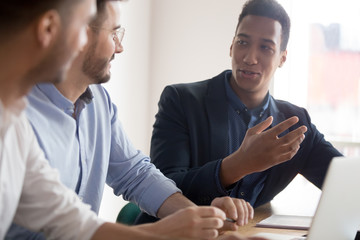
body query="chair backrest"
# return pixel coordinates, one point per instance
(128, 214)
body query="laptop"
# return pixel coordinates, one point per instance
(338, 213)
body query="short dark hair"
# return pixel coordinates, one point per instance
(271, 9)
(101, 14)
(16, 14)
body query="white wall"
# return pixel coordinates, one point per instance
(190, 41)
(128, 86)
(166, 41)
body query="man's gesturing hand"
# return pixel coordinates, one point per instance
(262, 149)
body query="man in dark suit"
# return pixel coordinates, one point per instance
(227, 136)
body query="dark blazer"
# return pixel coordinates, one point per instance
(191, 133)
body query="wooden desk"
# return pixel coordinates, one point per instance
(261, 213)
(299, 198)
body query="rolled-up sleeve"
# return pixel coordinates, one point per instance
(130, 173)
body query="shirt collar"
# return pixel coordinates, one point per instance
(62, 102)
(238, 105)
(87, 96)
(84, 99)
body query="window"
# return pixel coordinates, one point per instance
(322, 72)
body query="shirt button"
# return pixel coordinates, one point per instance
(242, 194)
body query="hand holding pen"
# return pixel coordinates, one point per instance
(238, 212)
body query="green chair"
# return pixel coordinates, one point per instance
(128, 214)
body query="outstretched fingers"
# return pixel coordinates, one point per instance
(261, 126)
(290, 143)
(284, 125)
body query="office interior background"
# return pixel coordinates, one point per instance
(173, 41)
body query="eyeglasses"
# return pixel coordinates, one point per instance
(117, 34)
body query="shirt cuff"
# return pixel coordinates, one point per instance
(155, 198)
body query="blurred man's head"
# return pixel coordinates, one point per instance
(105, 36)
(53, 32)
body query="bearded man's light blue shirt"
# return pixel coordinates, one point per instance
(92, 148)
(89, 147)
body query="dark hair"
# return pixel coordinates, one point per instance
(101, 13)
(271, 9)
(16, 14)
(100, 4)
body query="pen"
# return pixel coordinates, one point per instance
(230, 220)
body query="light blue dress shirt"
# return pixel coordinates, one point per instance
(92, 148)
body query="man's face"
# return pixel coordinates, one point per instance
(256, 54)
(71, 39)
(103, 46)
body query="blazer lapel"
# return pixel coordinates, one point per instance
(216, 109)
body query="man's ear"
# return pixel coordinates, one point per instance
(48, 28)
(232, 43)
(283, 58)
